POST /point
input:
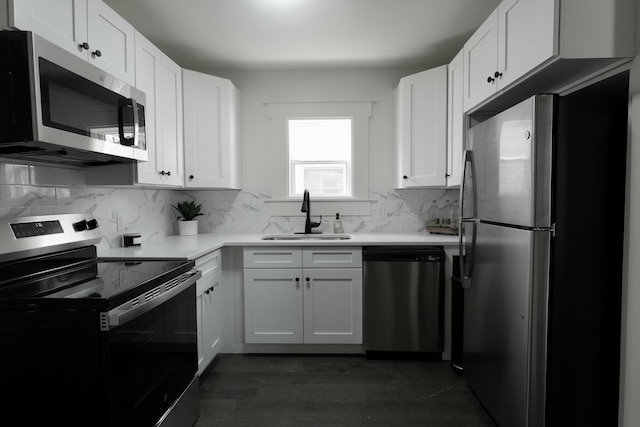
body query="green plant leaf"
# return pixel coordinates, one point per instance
(188, 210)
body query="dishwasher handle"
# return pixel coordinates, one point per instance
(403, 254)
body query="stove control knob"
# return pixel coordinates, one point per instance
(92, 224)
(80, 225)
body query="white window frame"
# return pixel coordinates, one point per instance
(279, 114)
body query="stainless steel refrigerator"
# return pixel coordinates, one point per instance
(542, 212)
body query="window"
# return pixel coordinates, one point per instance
(320, 152)
(320, 146)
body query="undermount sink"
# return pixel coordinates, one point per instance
(306, 237)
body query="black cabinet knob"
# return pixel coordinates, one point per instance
(168, 173)
(84, 46)
(405, 177)
(490, 79)
(191, 177)
(161, 173)
(497, 74)
(96, 53)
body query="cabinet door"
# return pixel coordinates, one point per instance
(62, 22)
(273, 306)
(170, 128)
(526, 30)
(212, 327)
(208, 304)
(455, 121)
(209, 319)
(113, 37)
(422, 130)
(210, 133)
(161, 80)
(333, 306)
(148, 59)
(481, 62)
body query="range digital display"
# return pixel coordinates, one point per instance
(36, 228)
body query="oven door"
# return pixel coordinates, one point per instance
(152, 348)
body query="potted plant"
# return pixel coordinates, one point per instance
(187, 224)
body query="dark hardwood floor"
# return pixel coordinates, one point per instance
(343, 390)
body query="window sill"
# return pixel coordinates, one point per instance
(324, 207)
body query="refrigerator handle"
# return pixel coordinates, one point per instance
(468, 165)
(467, 258)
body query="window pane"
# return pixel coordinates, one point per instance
(320, 139)
(322, 179)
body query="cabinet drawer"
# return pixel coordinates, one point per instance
(272, 258)
(332, 257)
(211, 262)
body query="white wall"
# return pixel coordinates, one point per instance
(630, 358)
(258, 87)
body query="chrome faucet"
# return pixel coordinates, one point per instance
(306, 207)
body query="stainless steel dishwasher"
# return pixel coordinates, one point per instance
(404, 299)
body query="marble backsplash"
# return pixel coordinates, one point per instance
(40, 190)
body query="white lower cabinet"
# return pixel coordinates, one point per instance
(303, 295)
(208, 308)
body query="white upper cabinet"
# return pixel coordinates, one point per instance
(87, 28)
(481, 62)
(211, 131)
(63, 22)
(161, 80)
(455, 120)
(111, 41)
(421, 140)
(522, 37)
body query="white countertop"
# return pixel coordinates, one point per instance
(192, 247)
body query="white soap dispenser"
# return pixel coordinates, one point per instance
(337, 225)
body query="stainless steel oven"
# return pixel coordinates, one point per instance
(90, 342)
(58, 108)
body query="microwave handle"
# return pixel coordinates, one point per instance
(130, 102)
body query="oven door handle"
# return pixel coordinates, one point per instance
(148, 301)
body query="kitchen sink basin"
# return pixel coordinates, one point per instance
(306, 237)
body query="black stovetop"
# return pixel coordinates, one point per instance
(66, 282)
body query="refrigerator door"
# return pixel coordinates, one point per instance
(499, 306)
(512, 165)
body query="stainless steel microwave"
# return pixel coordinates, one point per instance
(58, 108)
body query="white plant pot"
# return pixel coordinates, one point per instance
(188, 228)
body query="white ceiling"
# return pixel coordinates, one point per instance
(210, 35)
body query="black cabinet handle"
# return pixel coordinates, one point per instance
(168, 173)
(84, 46)
(490, 79)
(97, 53)
(497, 74)
(161, 173)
